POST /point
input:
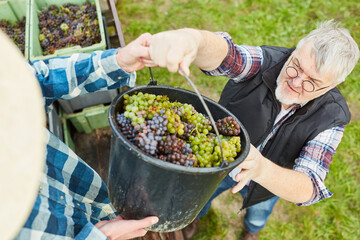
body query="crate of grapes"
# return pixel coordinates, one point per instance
(63, 27)
(165, 159)
(14, 22)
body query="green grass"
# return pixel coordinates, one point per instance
(278, 23)
(334, 218)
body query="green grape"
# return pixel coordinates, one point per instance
(206, 152)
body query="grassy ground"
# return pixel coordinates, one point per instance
(270, 22)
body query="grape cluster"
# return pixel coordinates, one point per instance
(126, 128)
(67, 26)
(175, 150)
(16, 32)
(147, 142)
(175, 132)
(228, 126)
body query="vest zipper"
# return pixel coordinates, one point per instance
(252, 184)
(273, 120)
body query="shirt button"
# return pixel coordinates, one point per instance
(78, 204)
(61, 197)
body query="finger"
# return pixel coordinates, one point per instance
(174, 57)
(141, 51)
(147, 222)
(185, 63)
(243, 178)
(145, 39)
(155, 49)
(138, 233)
(100, 224)
(247, 164)
(160, 57)
(148, 63)
(121, 228)
(244, 175)
(134, 225)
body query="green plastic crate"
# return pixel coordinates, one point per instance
(67, 137)
(35, 50)
(14, 11)
(89, 118)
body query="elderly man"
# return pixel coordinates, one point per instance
(288, 101)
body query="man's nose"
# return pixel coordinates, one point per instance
(297, 81)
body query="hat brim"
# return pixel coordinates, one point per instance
(22, 138)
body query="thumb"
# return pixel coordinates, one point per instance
(146, 222)
(142, 52)
(185, 64)
(145, 39)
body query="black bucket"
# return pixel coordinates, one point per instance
(141, 185)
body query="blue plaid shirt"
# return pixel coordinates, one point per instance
(72, 197)
(242, 63)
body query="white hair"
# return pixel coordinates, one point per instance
(335, 50)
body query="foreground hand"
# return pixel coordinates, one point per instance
(174, 49)
(251, 169)
(120, 229)
(131, 57)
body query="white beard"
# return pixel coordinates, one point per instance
(281, 97)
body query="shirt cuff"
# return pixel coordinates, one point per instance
(223, 69)
(241, 63)
(114, 71)
(320, 190)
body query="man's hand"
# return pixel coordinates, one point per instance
(291, 185)
(131, 57)
(174, 49)
(120, 229)
(251, 169)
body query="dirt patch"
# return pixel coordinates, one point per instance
(228, 204)
(354, 110)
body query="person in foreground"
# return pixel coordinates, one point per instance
(287, 100)
(69, 200)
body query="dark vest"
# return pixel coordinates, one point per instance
(254, 103)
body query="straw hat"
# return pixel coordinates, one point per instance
(22, 138)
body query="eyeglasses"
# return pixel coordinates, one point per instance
(307, 85)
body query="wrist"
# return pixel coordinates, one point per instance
(120, 57)
(196, 35)
(265, 167)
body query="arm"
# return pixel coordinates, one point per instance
(172, 49)
(213, 52)
(305, 183)
(68, 77)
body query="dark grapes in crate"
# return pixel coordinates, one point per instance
(175, 132)
(67, 26)
(16, 32)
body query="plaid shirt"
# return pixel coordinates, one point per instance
(72, 196)
(243, 62)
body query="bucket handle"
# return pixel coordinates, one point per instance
(152, 80)
(223, 163)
